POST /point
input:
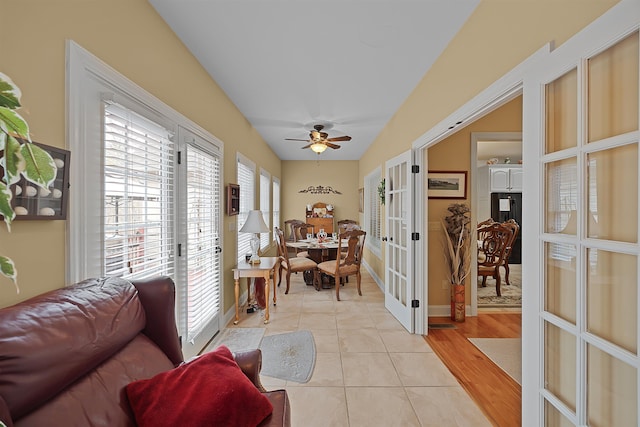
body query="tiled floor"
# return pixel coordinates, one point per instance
(369, 371)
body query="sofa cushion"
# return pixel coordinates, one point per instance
(99, 398)
(50, 341)
(209, 390)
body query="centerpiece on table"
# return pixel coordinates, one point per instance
(457, 255)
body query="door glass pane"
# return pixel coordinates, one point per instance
(560, 280)
(562, 196)
(561, 112)
(613, 90)
(612, 297)
(553, 417)
(613, 194)
(612, 393)
(560, 364)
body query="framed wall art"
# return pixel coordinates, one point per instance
(447, 184)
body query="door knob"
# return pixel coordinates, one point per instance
(384, 239)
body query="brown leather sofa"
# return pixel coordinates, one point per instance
(66, 356)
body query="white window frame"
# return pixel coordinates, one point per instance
(373, 212)
(247, 203)
(265, 206)
(275, 205)
(88, 78)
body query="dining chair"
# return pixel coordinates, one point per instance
(301, 231)
(343, 267)
(291, 265)
(289, 227)
(494, 240)
(515, 229)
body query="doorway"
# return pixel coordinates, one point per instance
(496, 194)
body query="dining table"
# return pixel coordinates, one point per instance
(319, 250)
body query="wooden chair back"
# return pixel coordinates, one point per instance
(300, 231)
(289, 226)
(495, 238)
(355, 247)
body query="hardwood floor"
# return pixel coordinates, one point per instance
(497, 394)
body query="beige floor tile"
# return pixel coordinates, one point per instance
(402, 342)
(326, 340)
(327, 372)
(369, 369)
(422, 369)
(318, 406)
(379, 406)
(360, 340)
(445, 407)
(313, 321)
(354, 319)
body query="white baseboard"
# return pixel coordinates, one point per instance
(444, 310)
(373, 274)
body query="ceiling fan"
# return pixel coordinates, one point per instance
(319, 141)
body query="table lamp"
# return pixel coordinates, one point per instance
(255, 224)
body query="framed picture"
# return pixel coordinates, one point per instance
(447, 184)
(361, 199)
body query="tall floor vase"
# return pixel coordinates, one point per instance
(458, 308)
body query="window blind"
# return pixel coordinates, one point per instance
(275, 205)
(137, 189)
(265, 196)
(372, 209)
(203, 258)
(246, 171)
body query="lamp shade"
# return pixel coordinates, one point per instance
(318, 147)
(254, 223)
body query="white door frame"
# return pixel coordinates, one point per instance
(499, 93)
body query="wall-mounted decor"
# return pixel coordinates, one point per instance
(447, 184)
(361, 200)
(319, 190)
(233, 199)
(32, 202)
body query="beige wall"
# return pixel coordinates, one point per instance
(454, 153)
(130, 37)
(298, 175)
(497, 37)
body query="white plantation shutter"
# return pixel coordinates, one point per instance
(246, 171)
(275, 206)
(265, 189)
(372, 210)
(202, 255)
(138, 190)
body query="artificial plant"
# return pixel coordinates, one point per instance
(19, 158)
(458, 242)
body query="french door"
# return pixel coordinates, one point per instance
(581, 114)
(398, 254)
(201, 269)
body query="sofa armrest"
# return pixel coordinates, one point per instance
(250, 362)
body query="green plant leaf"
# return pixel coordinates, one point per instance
(12, 161)
(8, 269)
(39, 165)
(9, 93)
(14, 123)
(5, 205)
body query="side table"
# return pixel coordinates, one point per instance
(267, 266)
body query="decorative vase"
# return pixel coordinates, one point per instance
(458, 307)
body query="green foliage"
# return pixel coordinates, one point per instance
(19, 159)
(381, 189)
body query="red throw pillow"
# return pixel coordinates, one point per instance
(210, 390)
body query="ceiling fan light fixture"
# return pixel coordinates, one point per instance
(318, 147)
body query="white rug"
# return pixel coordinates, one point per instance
(238, 339)
(504, 352)
(290, 356)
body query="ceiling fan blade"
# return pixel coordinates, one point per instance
(307, 146)
(293, 139)
(334, 146)
(340, 138)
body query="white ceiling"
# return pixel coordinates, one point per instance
(290, 64)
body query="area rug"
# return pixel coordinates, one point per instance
(290, 356)
(511, 294)
(238, 339)
(504, 352)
